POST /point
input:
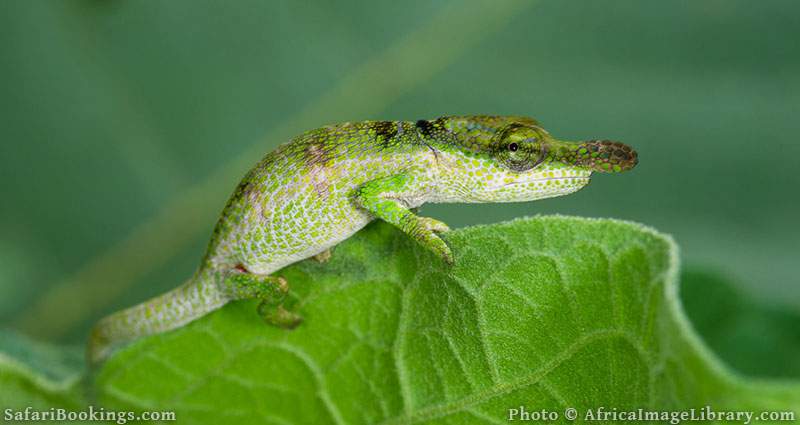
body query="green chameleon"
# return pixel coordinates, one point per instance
(322, 187)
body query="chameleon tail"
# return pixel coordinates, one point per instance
(196, 297)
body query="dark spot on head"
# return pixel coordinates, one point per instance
(441, 123)
(384, 131)
(425, 127)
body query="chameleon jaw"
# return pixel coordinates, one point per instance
(578, 178)
(523, 190)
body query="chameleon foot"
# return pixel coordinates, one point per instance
(323, 257)
(270, 290)
(434, 243)
(433, 225)
(277, 315)
(424, 230)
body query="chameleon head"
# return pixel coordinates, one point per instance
(512, 159)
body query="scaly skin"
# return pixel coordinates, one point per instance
(325, 185)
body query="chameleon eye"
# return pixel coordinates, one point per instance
(513, 147)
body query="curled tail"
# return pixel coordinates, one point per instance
(197, 297)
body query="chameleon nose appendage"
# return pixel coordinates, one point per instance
(606, 156)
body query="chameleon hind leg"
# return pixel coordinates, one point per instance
(272, 292)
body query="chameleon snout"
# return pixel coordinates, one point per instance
(606, 156)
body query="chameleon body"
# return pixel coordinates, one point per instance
(323, 186)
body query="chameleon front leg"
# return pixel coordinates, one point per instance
(381, 197)
(271, 290)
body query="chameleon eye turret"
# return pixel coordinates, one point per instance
(520, 148)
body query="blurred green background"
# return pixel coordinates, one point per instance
(126, 124)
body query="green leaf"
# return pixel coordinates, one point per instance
(754, 338)
(547, 313)
(38, 376)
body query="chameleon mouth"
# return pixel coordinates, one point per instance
(582, 180)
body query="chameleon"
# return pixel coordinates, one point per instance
(324, 185)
